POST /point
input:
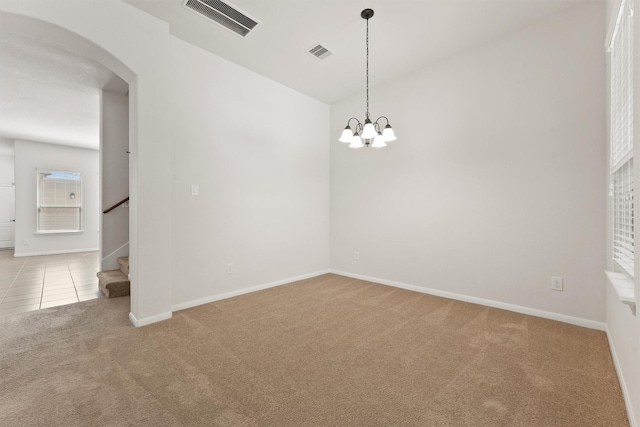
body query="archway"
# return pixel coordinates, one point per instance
(134, 46)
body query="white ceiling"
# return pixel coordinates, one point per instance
(49, 94)
(404, 36)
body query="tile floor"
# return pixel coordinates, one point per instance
(32, 283)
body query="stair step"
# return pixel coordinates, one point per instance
(114, 283)
(123, 261)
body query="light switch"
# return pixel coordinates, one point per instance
(194, 189)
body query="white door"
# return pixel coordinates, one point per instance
(7, 215)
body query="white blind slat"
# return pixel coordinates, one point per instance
(59, 201)
(621, 149)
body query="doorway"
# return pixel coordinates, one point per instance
(51, 220)
(136, 48)
(7, 215)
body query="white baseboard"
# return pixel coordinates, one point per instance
(623, 384)
(149, 320)
(110, 262)
(213, 298)
(68, 251)
(591, 324)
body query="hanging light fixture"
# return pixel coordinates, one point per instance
(367, 133)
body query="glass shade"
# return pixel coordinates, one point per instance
(378, 141)
(347, 135)
(356, 141)
(388, 134)
(369, 131)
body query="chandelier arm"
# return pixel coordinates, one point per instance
(353, 118)
(382, 117)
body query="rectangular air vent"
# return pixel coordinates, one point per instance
(224, 14)
(319, 51)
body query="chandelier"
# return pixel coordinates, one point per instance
(367, 133)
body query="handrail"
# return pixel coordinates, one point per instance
(121, 202)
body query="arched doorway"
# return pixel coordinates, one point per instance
(133, 46)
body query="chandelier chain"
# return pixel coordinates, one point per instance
(367, 115)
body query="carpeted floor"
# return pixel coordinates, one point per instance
(328, 351)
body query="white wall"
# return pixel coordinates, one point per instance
(622, 327)
(6, 161)
(114, 163)
(495, 183)
(258, 152)
(6, 169)
(7, 205)
(31, 156)
(292, 205)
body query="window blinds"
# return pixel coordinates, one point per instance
(621, 154)
(59, 201)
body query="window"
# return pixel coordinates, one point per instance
(59, 202)
(621, 155)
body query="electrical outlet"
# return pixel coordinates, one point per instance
(25, 242)
(229, 268)
(557, 283)
(356, 256)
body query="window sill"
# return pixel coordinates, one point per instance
(624, 287)
(46, 233)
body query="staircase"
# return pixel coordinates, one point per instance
(115, 283)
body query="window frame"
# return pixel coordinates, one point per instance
(40, 206)
(621, 165)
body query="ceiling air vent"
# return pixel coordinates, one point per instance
(224, 14)
(319, 51)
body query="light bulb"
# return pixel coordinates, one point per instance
(369, 131)
(378, 141)
(356, 141)
(347, 135)
(388, 134)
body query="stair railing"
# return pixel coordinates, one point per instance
(121, 202)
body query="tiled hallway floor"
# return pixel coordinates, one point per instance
(32, 283)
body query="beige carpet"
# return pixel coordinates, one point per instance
(328, 351)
